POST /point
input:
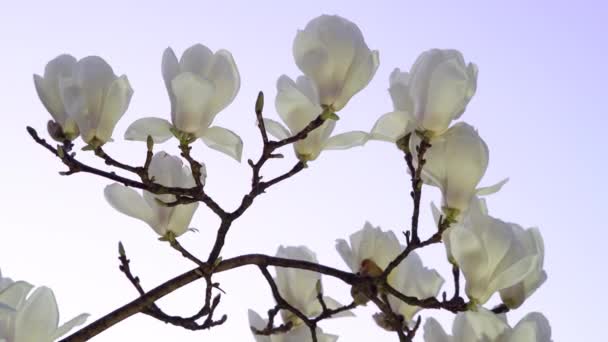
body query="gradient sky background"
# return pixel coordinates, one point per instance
(540, 106)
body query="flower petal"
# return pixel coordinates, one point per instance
(14, 295)
(488, 190)
(433, 332)
(170, 70)
(114, 106)
(67, 326)
(180, 218)
(346, 140)
(392, 126)
(37, 320)
(192, 95)
(226, 79)
(129, 202)
(276, 129)
(224, 140)
(358, 78)
(159, 129)
(347, 254)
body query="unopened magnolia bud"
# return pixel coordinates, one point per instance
(259, 103)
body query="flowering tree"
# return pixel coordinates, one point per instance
(86, 99)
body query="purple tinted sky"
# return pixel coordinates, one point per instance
(539, 106)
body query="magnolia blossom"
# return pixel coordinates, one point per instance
(515, 295)
(299, 333)
(168, 171)
(493, 255)
(331, 51)
(413, 279)
(298, 104)
(84, 96)
(455, 163)
(484, 326)
(370, 251)
(48, 90)
(437, 89)
(35, 318)
(301, 287)
(200, 85)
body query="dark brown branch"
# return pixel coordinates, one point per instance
(183, 195)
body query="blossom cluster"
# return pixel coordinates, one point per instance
(86, 99)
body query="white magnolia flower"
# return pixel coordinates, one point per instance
(484, 326)
(437, 89)
(515, 295)
(370, 250)
(200, 85)
(331, 51)
(299, 333)
(493, 255)
(470, 326)
(301, 287)
(413, 279)
(35, 318)
(92, 96)
(298, 104)
(49, 93)
(168, 171)
(455, 163)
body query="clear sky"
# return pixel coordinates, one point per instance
(540, 106)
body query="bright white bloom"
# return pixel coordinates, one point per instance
(92, 95)
(470, 326)
(455, 163)
(49, 92)
(515, 295)
(300, 287)
(200, 85)
(413, 279)
(331, 51)
(437, 89)
(299, 333)
(492, 254)
(168, 171)
(298, 104)
(485, 326)
(370, 250)
(36, 317)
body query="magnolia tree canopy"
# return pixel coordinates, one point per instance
(383, 269)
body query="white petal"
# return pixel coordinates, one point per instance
(67, 326)
(129, 202)
(478, 326)
(159, 129)
(14, 295)
(358, 78)
(181, 215)
(226, 79)
(433, 332)
(224, 140)
(196, 59)
(38, 318)
(114, 106)
(392, 126)
(192, 95)
(170, 70)
(534, 327)
(488, 190)
(276, 129)
(468, 253)
(347, 254)
(346, 140)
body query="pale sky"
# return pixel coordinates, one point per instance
(539, 106)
